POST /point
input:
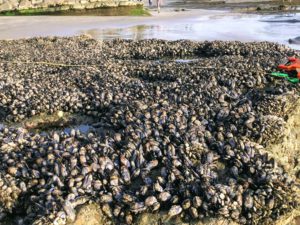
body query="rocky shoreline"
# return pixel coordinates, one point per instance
(40, 7)
(239, 6)
(178, 127)
(110, 7)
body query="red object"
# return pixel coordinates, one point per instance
(292, 65)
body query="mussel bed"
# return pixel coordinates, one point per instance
(183, 137)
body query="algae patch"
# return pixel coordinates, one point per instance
(103, 11)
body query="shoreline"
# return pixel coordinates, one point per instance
(251, 6)
(26, 27)
(167, 25)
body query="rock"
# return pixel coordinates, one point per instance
(70, 211)
(35, 2)
(62, 5)
(56, 137)
(78, 6)
(9, 5)
(295, 40)
(89, 214)
(177, 138)
(60, 114)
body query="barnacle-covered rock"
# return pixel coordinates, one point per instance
(180, 139)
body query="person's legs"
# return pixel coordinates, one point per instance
(158, 5)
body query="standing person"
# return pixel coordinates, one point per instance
(150, 2)
(158, 3)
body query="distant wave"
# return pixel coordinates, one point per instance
(282, 21)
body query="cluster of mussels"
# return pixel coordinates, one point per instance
(185, 137)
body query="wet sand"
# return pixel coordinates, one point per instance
(193, 24)
(25, 27)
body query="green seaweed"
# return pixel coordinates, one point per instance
(140, 11)
(27, 12)
(103, 11)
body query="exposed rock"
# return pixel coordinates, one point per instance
(184, 140)
(295, 40)
(60, 5)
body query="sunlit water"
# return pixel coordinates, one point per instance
(275, 28)
(205, 25)
(83, 128)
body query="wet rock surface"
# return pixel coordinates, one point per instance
(295, 40)
(182, 137)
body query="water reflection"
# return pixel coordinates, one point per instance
(83, 128)
(138, 32)
(185, 60)
(275, 28)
